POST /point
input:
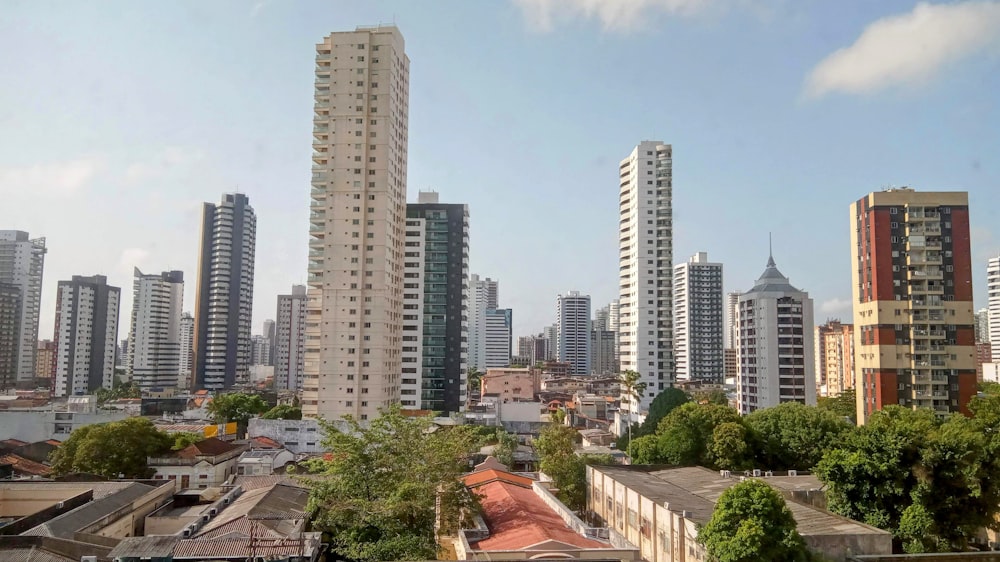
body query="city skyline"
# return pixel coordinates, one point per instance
(96, 148)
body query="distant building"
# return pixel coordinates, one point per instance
(912, 293)
(732, 327)
(776, 344)
(483, 296)
(154, 357)
(45, 362)
(602, 352)
(551, 335)
(224, 301)
(86, 335)
(260, 350)
(992, 325)
(573, 319)
(22, 261)
(835, 357)
(511, 384)
(10, 333)
(270, 333)
(290, 339)
(184, 371)
(498, 339)
(699, 331)
(204, 464)
(732, 359)
(533, 348)
(984, 354)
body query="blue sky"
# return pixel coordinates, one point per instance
(120, 118)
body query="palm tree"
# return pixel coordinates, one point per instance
(632, 389)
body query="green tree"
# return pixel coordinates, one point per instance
(751, 522)
(185, 438)
(662, 404)
(795, 436)
(376, 491)
(844, 404)
(646, 450)
(283, 412)
(715, 396)
(112, 449)
(506, 446)
(556, 447)
(686, 435)
(475, 378)
(237, 407)
(632, 389)
(731, 448)
(989, 387)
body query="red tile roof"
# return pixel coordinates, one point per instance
(518, 518)
(265, 443)
(206, 448)
(481, 477)
(54, 442)
(25, 467)
(237, 548)
(13, 443)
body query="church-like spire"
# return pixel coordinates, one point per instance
(770, 252)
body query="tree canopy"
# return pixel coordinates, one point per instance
(795, 436)
(751, 522)
(686, 436)
(236, 407)
(112, 449)
(844, 404)
(283, 412)
(376, 490)
(662, 404)
(558, 459)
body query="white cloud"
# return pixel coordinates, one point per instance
(836, 308)
(57, 178)
(257, 7)
(617, 15)
(908, 48)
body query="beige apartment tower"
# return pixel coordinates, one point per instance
(834, 357)
(355, 303)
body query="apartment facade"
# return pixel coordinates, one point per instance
(290, 339)
(699, 330)
(484, 295)
(498, 326)
(22, 262)
(602, 352)
(154, 342)
(732, 328)
(260, 350)
(573, 340)
(45, 359)
(914, 334)
(435, 305)
(224, 301)
(356, 227)
(10, 332)
(775, 312)
(187, 351)
(86, 335)
(534, 348)
(646, 268)
(834, 357)
(992, 325)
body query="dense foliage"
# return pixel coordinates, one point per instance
(664, 403)
(237, 407)
(751, 522)
(377, 488)
(283, 412)
(113, 450)
(184, 438)
(794, 436)
(558, 459)
(844, 404)
(119, 390)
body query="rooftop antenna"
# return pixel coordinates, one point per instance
(770, 251)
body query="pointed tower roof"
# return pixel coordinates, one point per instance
(772, 280)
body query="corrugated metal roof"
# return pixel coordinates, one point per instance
(145, 547)
(65, 525)
(279, 509)
(244, 548)
(31, 554)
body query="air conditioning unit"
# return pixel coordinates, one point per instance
(205, 518)
(88, 558)
(793, 472)
(756, 473)
(768, 474)
(187, 533)
(726, 473)
(213, 512)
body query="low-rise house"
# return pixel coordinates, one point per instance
(522, 520)
(511, 384)
(200, 465)
(41, 424)
(597, 437)
(226, 549)
(298, 436)
(20, 467)
(660, 512)
(263, 462)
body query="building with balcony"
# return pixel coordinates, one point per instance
(991, 327)
(699, 331)
(511, 384)
(484, 295)
(645, 237)
(435, 305)
(290, 340)
(356, 224)
(155, 339)
(834, 357)
(86, 335)
(498, 340)
(201, 465)
(573, 338)
(22, 262)
(776, 348)
(224, 301)
(914, 334)
(10, 332)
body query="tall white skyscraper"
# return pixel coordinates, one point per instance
(646, 268)
(551, 335)
(260, 350)
(732, 327)
(698, 320)
(483, 296)
(498, 337)
(993, 303)
(573, 339)
(356, 227)
(187, 351)
(22, 261)
(290, 339)
(225, 293)
(776, 344)
(86, 335)
(269, 333)
(156, 336)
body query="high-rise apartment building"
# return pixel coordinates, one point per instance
(982, 323)
(290, 339)
(45, 360)
(834, 357)
(86, 335)
(260, 350)
(498, 329)
(699, 332)
(356, 227)
(534, 349)
(645, 239)
(224, 301)
(776, 348)
(992, 327)
(435, 305)
(22, 262)
(573, 320)
(269, 333)
(732, 328)
(551, 335)
(10, 332)
(187, 351)
(912, 286)
(602, 352)
(154, 341)
(483, 296)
